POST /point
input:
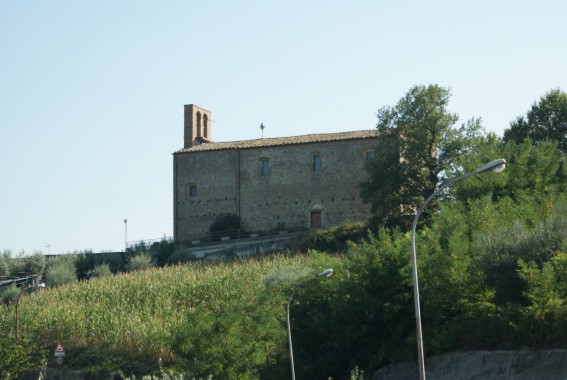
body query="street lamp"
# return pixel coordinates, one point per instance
(325, 273)
(125, 234)
(496, 166)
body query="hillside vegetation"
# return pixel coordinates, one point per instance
(499, 285)
(491, 254)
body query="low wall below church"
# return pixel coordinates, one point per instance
(484, 365)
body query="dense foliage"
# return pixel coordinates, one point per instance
(492, 276)
(546, 120)
(420, 143)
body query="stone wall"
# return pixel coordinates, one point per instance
(230, 181)
(215, 176)
(485, 365)
(293, 189)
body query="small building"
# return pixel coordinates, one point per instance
(308, 181)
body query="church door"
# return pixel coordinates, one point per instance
(315, 219)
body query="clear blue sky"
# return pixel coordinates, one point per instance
(92, 92)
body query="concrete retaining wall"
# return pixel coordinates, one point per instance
(485, 365)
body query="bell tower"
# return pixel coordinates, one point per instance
(197, 123)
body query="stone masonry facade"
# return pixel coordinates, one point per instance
(291, 182)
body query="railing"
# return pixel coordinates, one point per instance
(18, 281)
(148, 242)
(239, 234)
(219, 236)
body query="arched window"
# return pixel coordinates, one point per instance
(199, 124)
(205, 125)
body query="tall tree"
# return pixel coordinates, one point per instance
(546, 120)
(419, 143)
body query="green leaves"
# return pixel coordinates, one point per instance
(18, 357)
(544, 316)
(419, 145)
(546, 120)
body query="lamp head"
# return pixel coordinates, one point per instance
(326, 273)
(499, 168)
(496, 166)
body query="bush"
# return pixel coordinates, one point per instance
(20, 356)
(226, 222)
(139, 262)
(85, 261)
(498, 253)
(5, 263)
(162, 251)
(334, 239)
(180, 255)
(9, 294)
(35, 264)
(102, 270)
(60, 270)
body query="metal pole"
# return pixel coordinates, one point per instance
(125, 234)
(419, 334)
(496, 165)
(289, 338)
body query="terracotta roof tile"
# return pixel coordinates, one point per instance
(279, 141)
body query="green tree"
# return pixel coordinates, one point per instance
(35, 264)
(419, 144)
(532, 170)
(5, 258)
(546, 120)
(61, 270)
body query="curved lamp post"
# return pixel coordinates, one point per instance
(496, 166)
(325, 273)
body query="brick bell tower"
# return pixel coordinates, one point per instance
(197, 126)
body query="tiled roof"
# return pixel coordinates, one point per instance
(279, 141)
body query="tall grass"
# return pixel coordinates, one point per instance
(140, 313)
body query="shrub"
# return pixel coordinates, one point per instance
(102, 270)
(18, 264)
(162, 251)
(226, 222)
(180, 255)
(85, 262)
(500, 250)
(60, 270)
(9, 294)
(35, 264)
(19, 356)
(139, 262)
(5, 263)
(334, 239)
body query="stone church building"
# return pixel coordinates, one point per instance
(308, 181)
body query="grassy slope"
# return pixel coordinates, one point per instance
(138, 314)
